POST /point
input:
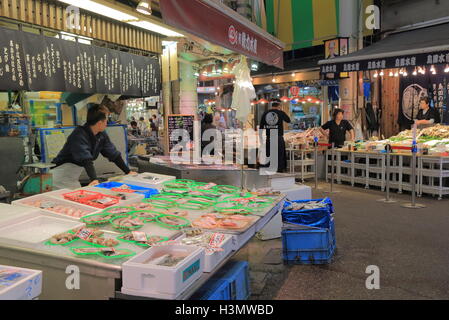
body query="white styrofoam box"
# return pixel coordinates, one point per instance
(58, 202)
(27, 287)
(144, 180)
(212, 259)
(273, 229)
(239, 240)
(141, 278)
(10, 213)
(297, 192)
(280, 182)
(37, 229)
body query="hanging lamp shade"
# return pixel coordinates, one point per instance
(285, 99)
(263, 101)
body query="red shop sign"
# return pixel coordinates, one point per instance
(294, 91)
(205, 20)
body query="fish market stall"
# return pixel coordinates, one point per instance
(182, 236)
(224, 174)
(365, 162)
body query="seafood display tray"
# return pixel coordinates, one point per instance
(213, 259)
(154, 281)
(27, 284)
(61, 202)
(130, 197)
(37, 229)
(142, 180)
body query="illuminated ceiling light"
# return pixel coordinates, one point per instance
(391, 74)
(405, 74)
(401, 71)
(447, 68)
(375, 75)
(144, 7)
(396, 74)
(415, 73)
(111, 13)
(293, 74)
(254, 66)
(381, 73)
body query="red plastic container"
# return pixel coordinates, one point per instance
(80, 195)
(97, 201)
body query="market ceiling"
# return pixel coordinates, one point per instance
(220, 25)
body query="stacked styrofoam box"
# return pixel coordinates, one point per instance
(141, 278)
(141, 181)
(26, 288)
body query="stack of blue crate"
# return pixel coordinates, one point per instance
(308, 235)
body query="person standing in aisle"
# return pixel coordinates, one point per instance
(154, 126)
(338, 127)
(143, 127)
(274, 119)
(82, 148)
(427, 116)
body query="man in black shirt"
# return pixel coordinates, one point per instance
(82, 148)
(274, 119)
(427, 116)
(337, 129)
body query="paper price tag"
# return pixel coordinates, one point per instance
(139, 236)
(84, 234)
(216, 240)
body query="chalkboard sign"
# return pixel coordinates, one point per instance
(176, 122)
(38, 63)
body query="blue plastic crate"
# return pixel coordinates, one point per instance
(213, 290)
(148, 192)
(236, 274)
(231, 282)
(318, 218)
(309, 245)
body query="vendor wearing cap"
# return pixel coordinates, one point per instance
(274, 119)
(82, 148)
(427, 116)
(338, 127)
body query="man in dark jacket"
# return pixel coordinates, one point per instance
(274, 119)
(82, 148)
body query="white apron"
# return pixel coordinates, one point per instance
(67, 176)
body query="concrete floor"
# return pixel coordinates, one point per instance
(410, 247)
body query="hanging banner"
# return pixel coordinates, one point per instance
(13, 73)
(410, 61)
(39, 63)
(205, 20)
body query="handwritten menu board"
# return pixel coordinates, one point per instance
(179, 121)
(38, 63)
